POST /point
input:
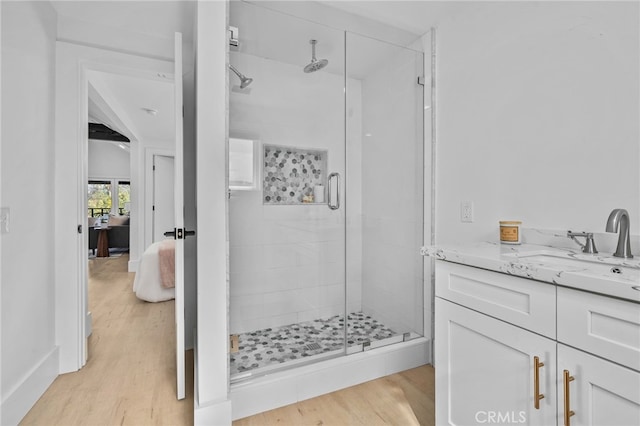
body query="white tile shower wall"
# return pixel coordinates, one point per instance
(287, 262)
(392, 153)
(538, 116)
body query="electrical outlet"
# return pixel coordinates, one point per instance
(466, 211)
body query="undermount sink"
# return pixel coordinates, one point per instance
(585, 263)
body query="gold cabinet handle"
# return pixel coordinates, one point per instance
(537, 396)
(567, 400)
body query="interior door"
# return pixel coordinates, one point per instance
(163, 196)
(179, 219)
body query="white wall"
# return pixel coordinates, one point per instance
(124, 34)
(537, 107)
(392, 189)
(212, 405)
(108, 160)
(286, 261)
(29, 352)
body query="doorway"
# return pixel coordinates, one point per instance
(141, 108)
(146, 107)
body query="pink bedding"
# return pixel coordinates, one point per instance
(167, 263)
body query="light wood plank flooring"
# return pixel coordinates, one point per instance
(130, 376)
(403, 399)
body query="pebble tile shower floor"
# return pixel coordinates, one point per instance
(278, 345)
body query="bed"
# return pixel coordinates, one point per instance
(154, 280)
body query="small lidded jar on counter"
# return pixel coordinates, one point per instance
(510, 232)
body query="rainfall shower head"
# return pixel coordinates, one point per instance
(315, 64)
(244, 80)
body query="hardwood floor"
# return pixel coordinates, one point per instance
(130, 375)
(406, 398)
(129, 378)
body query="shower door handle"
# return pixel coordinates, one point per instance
(331, 204)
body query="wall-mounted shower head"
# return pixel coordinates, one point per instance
(244, 80)
(315, 64)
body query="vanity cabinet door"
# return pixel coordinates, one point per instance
(485, 370)
(600, 393)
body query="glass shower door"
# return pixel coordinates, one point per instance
(385, 183)
(287, 194)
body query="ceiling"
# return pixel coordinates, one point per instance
(117, 100)
(139, 108)
(414, 16)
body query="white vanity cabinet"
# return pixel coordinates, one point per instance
(489, 371)
(492, 331)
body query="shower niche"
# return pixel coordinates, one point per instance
(294, 175)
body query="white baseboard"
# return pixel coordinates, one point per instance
(88, 325)
(133, 265)
(212, 414)
(288, 387)
(25, 394)
(218, 414)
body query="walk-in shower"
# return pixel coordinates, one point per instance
(326, 208)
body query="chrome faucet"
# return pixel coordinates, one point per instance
(589, 246)
(619, 221)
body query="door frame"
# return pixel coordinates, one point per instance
(147, 237)
(73, 65)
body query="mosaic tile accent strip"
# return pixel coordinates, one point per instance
(290, 174)
(296, 341)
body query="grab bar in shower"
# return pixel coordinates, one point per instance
(335, 206)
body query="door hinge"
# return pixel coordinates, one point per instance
(421, 80)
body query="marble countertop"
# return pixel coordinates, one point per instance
(599, 273)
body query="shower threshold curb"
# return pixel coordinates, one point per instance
(270, 391)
